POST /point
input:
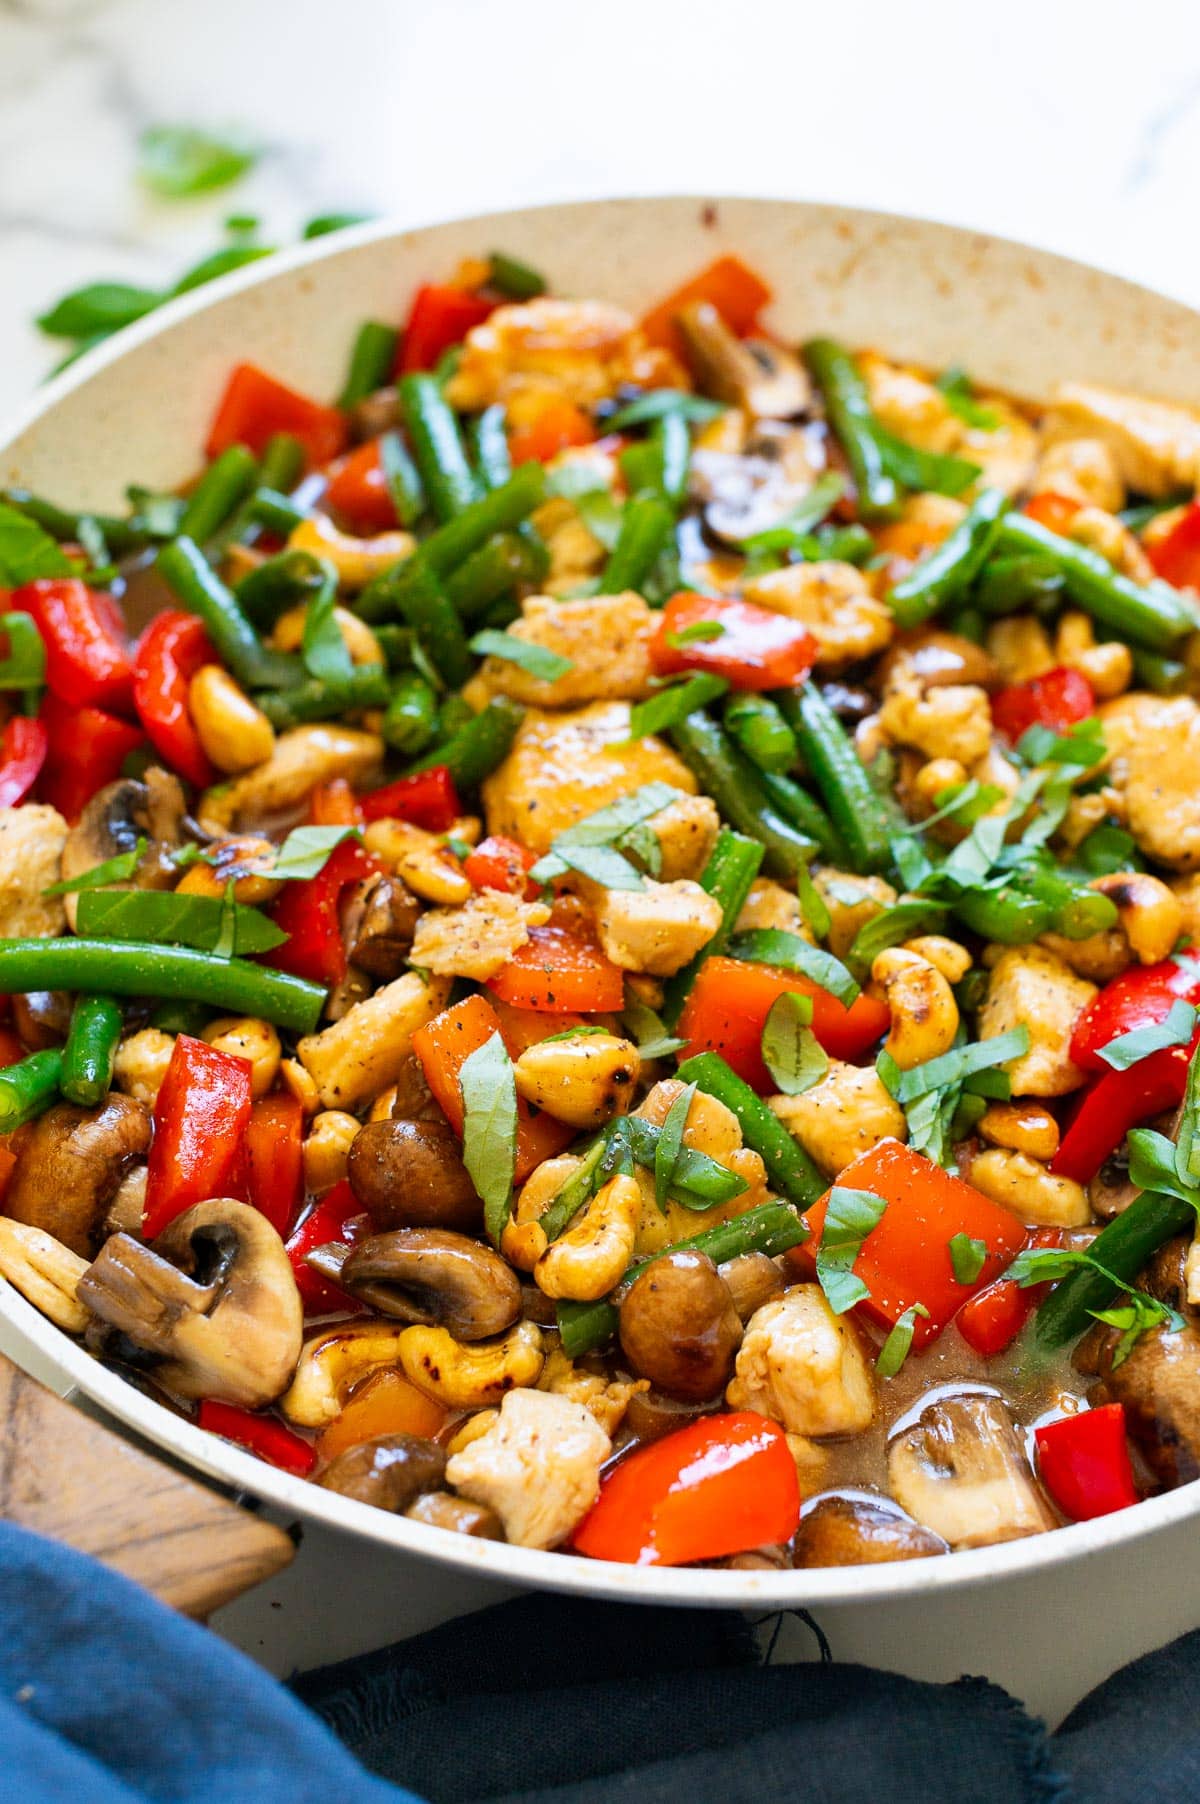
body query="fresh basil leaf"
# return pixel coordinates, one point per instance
(968, 1257)
(658, 403)
(160, 917)
(304, 852)
(157, 515)
(1081, 744)
(850, 1217)
(1152, 1165)
(789, 533)
(25, 665)
(895, 1349)
(26, 551)
(1187, 1138)
(1045, 1265)
(536, 660)
(323, 223)
(99, 308)
(917, 470)
(955, 384)
(178, 161)
(582, 1183)
(698, 633)
(791, 1051)
(1175, 1029)
(603, 864)
(489, 1135)
(647, 1030)
(931, 1124)
(962, 1062)
(582, 1032)
(697, 1182)
(219, 263)
(670, 1144)
(903, 921)
(773, 946)
(674, 703)
(227, 932)
(1105, 850)
(113, 870)
(323, 646)
(604, 828)
(813, 905)
(1136, 1316)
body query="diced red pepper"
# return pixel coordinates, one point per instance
(1084, 1462)
(554, 426)
(1115, 1103)
(1058, 700)
(991, 1321)
(255, 407)
(264, 1435)
(755, 648)
(727, 1008)
(427, 799)
(87, 663)
(86, 749)
(334, 804)
(200, 1122)
(1053, 511)
(722, 1485)
(499, 863)
(339, 1216)
(737, 292)
(358, 491)
(308, 913)
(440, 317)
(555, 971)
(23, 747)
(1176, 557)
(169, 653)
(905, 1259)
(274, 1156)
(1140, 997)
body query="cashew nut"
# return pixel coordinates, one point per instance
(583, 1080)
(246, 1037)
(421, 859)
(332, 1363)
(1033, 1194)
(1107, 667)
(1150, 913)
(1022, 1127)
(44, 1271)
(235, 734)
(592, 1256)
(924, 1012)
(524, 1239)
(475, 1376)
(355, 560)
(326, 1149)
(946, 956)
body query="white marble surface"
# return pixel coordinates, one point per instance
(1069, 124)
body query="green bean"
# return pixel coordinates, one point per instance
(425, 606)
(282, 582)
(577, 1189)
(646, 525)
(968, 623)
(410, 718)
(491, 572)
(1165, 676)
(1033, 902)
(675, 444)
(274, 510)
(29, 1088)
(403, 479)
(1123, 1247)
(120, 536)
(129, 968)
(756, 725)
(849, 409)
(1009, 583)
(791, 1171)
(771, 1228)
(488, 440)
(455, 712)
(474, 751)
(319, 699)
(732, 866)
(1077, 912)
(181, 1018)
(857, 812)
(218, 494)
(437, 447)
(1154, 615)
(187, 574)
(282, 464)
(87, 1060)
(509, 276)
(735, 786)
(371, 362)
(952, 566)
(794, 803)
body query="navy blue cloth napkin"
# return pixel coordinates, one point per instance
(107, 1697)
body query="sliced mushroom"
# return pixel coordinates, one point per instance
(761, 378)
(215, 1299)
(431, 1276)
(960, 1471)
(841, 1530)
(42, 1017)
(1159, 1384)
(151, 808)
(752, 491)
(379, 918)
(409, 1174)
(389, 1473)
(71, 1165)
(442, 1509)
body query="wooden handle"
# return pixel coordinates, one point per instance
(68, 1477)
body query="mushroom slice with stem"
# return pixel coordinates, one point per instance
(215, 1298)
(390, 1473)
(431, 1275)
(71, 1164)
(149, 808)
(960, 1471)
(761, 378)
(751, 491)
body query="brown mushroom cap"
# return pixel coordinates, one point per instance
(840, 1530)
(379, 919)
(679, 1327)
(150, 808)
(752, 1279)
(431, 1276)
(390, 1472)
(70, 1167)
(409, 1174)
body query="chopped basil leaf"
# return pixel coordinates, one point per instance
(536, 660)
(955, 384)
(796, 526)
(697, 1182)
(1083, 743)
(813, 905)
(1135, 1317)
(968, 1257)
(604, 829)
(100, 307)
(915, 469)
(25, 665)
(489, 1095)
(26, 551)
(159, 917)
(573, 1033)
(1187, 1138)
(305, 851)
(903, 921)
(648, 1030)
(773, 946)
(895, 1348)
(850, 1217)
(952, 1067)
(658, 403)
(670, 1144)
(1175, 1029)
(323, 646)
(674, 703)
(1105, 850)
(696, 634)
(178, 161)
(790, 1050)
(583, 1181)
(114, 870)
(227, 932)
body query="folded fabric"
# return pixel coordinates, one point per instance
(107, 1697)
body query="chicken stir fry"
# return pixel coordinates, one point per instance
(599, 935)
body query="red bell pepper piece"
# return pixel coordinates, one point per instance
(169, 653)
(991, 1321)
(86, 749)
(553, 426)
(905, 1259)
(1084, 1462)
(755, 648)
(722, 1485)
(308, 913)
(427, 799)
(1115, 1103)
(274, 1155)
(199, 1131)
(339, 1216)
(1057, 700)
(1140, 997)
(727, 1008)
(499, 863)
(263, 1435)
(555, 971)
(334, 804)
(1053, 511)
(440, 317)
(255, 407)
(23, 747)
(358, 491)
(87, 663)
(1176, 558)
(737, 292)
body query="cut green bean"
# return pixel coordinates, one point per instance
(756, 725)
(1165, 676)
(403, 479)
(275, 511)
(1123, 1247)
(854, 807)
(737, 789)
(849, 409)
(120, 536)
(494, 570)
(1009, 583)
(951, 567)
(789, 1167)
(87, 1060)
(410, 718)
(509, 276)
(474, 751)
(283, 462)
(424, 605)
(794, 803)
(728, 876)
(319, 699)
(371, 362)
(290, 579)
(218, 494)
(184, 569)
(646, 525)
(437, 446)
(1152, 615)
(488, 439)
(28, 1088)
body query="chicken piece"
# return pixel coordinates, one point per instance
(658, 928)
(1156, 444)
(909, 405)
(606, 1398)
(575, 552)
(770, 905)
(363, 1053)
(1162, 784)
(538, 1466)
(844, 1115)
(564, 766)
(1082, 469)
(585, 350)
(803, 1366)
(606, 640)
(302, 758)
(710, 1128)
(852, 901)
(950, 722)
(960, 1471)
(1005, 452)
(1030, 987)
(685, 833)
(834, 602)
(32, 838)
(475, 940)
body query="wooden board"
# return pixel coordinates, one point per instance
(64, 1475)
